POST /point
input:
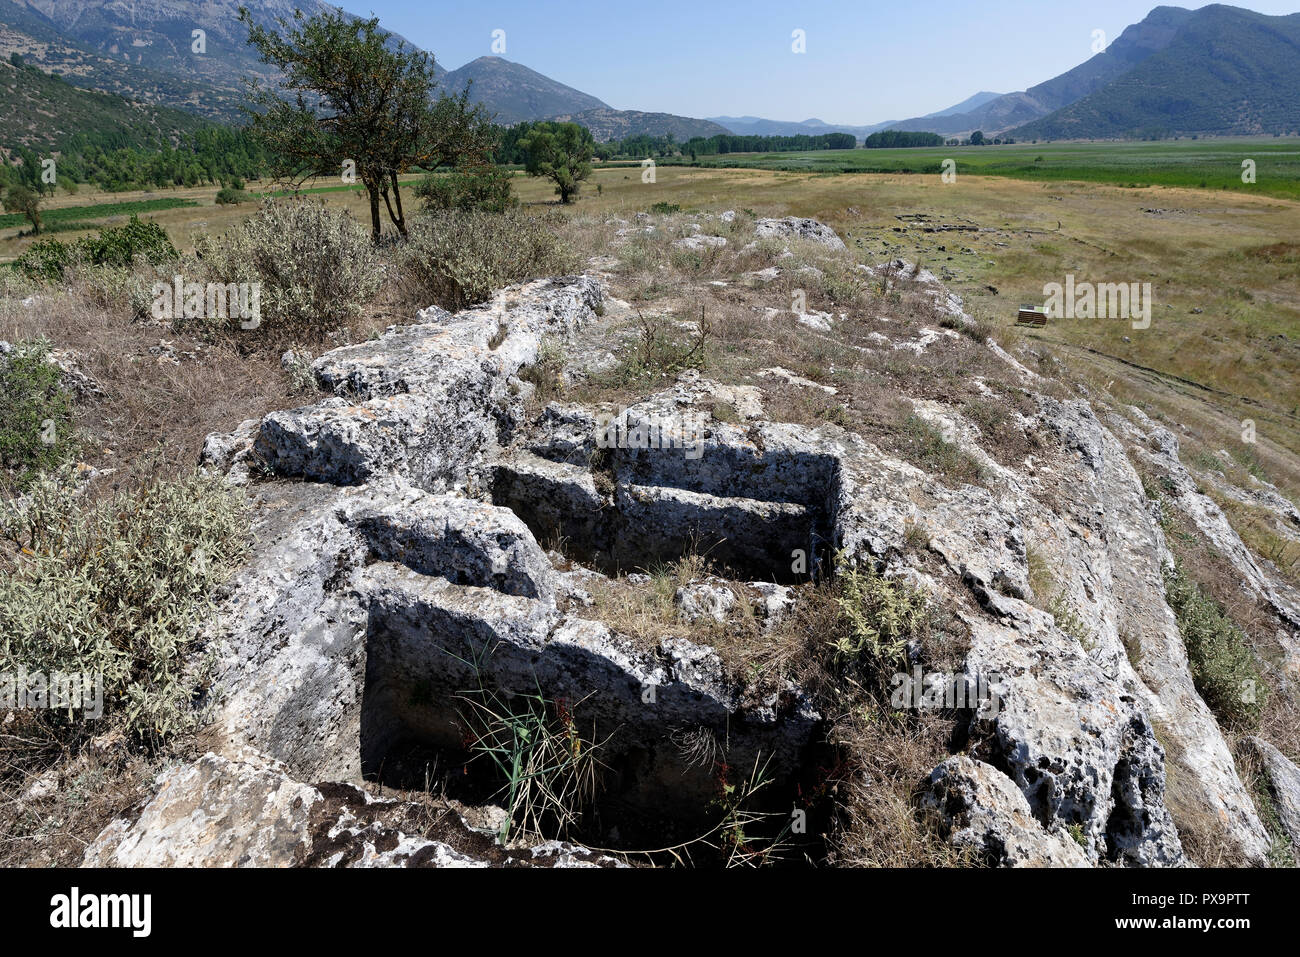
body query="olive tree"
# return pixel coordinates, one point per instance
(354, 99)
(561, 152)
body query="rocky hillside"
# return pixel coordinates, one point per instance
(158, 34)
(144, 52)
(515, 93)
(718, 532)
(44, 111)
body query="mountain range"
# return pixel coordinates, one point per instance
(1224, 71)
(1220, 70)
(1007, 112)
(757, 126)
(144, 50)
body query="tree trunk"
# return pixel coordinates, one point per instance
(400, 221)
(373, 193)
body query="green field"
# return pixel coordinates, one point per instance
(1194, 164)
(60, 218)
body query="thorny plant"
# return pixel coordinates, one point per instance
(661, 353)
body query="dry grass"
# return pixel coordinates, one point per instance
(1199, 829)
(1207, 251)
(1282, 853)
(1258, 529)
(78, 794)
(879, 824)
(750, 322)
(647, 613)
(153, 413)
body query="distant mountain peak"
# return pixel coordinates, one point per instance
(514, 92)
(1221, 70)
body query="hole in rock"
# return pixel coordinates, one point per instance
(755, 515)
(648, 792)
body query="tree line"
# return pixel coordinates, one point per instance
(900, 139)
(212, 155)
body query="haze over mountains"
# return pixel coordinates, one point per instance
(1218, 70)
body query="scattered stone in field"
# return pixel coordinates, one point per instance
(47, 785)
(700, 242)
(806, 229)
(776, 372)
(709, 598)
(927, 338)
(774, 603)
(821, 321)
(72, 378)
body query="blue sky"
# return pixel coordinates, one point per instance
(866, 61)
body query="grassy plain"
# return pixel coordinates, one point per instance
(1214, 163)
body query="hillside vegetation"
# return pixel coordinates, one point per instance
(43, 111)
(1227, 71)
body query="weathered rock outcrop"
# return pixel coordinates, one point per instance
(219, 812)
(1121, 676)
(397, 563)
(374, 597)
(984, 812)
(426, 402)
(792, 227)
(1283, 782)
(1159, 447)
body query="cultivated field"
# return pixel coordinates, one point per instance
(1203, 164)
